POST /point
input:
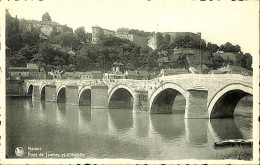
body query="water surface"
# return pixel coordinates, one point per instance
(59, 129)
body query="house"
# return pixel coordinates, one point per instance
(83, 75)
(97, 75)
(138, 75)
(69, 75)
(129, 74)
(142, 75)
(31, 71)
(114, 75)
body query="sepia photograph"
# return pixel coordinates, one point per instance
(119, 82)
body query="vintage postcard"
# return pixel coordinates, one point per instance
(129, 82)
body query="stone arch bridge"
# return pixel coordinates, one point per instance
(206, 96)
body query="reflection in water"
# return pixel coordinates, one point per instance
(85, 113)
(99, 124)
(37, 104)
(29, 101)
(141, 122)
(61, 112)
(168, 126)
(226, 129)
(122, 119)
(72, 116)
(196, 131)
(245, 126)
(112, 133)
(84, 119)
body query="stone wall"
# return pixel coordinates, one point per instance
(15, 87)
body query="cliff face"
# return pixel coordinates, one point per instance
(44, 27)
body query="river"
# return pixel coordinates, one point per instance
(64, 131)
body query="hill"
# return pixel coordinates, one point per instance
(54, 46)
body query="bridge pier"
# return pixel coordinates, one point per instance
(50, 93)
(72, 96)
(196, 103)
(140, 100)
(36, 92)
(99, 97)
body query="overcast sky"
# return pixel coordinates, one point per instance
(218, 21)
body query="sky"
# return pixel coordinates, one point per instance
(218, 21)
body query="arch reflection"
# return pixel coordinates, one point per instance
(122, 119)
(226, 129)
(168, 126)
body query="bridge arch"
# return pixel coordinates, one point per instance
(224, 102)
(85, 96)
(61, 94)
(42, 90)
(121, 96)
(30, 89)
(162, 98)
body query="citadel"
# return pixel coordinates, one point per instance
(153, 41)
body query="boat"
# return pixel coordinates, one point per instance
(234, 142)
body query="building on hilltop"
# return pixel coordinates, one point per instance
(158, 38)
(123, 33)
(153, 41)
(99, 33)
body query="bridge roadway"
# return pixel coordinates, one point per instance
(206, 95)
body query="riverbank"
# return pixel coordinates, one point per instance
(240, 153)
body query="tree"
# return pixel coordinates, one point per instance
(30, 37)
(247, 61)
(212, 47)
(188, 41)
(80, 35)
(67, 39)
(159, 39)
(215, 62)
(167, 38)
(50, 57)
(228, 47)
(46, 17)
(14, 40)
(28, 52)
(238, 49)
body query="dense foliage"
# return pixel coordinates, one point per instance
(46, 17)
(73, 51)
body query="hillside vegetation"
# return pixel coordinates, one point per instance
(54, 46)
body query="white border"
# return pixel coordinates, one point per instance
(124, 161)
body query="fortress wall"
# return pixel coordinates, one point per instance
(108, 32)
(129, 37)
(155, 40)
(140, 40)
